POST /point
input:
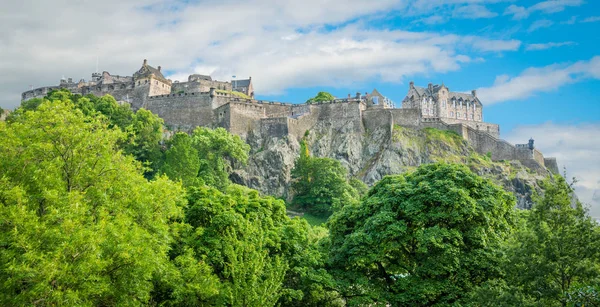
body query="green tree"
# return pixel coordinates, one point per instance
(423, 238)
(145, 134)
(557, 252)
(181, 161)
(320, 185)
(239, 234)
(321, 96)
(79, 224)
(218, 151)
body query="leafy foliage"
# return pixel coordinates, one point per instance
(79, 225)
(320, 185)
(554, 257)
(321, 97)
(218, 150)
(425, 238)
(182, 161)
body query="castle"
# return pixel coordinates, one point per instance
(202, 101)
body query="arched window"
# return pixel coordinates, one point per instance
(451, 114)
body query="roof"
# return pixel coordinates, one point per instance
(148, 70)
(241, 83)
(199, 77)
(425, 91)
(376, 93)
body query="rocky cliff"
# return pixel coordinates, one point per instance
(371, 155)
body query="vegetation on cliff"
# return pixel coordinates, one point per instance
(95, 209)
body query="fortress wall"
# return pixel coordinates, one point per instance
(378, 118)
(551, 165)
(492, 129)
(217, 100)
(182, 112)
(274, 127)
(538, 156)
(346, 116)
(275, 109)
(406, 117)
(244, 117)
(298, 126)
(222, 116)
(507, 151)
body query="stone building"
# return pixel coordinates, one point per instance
(202, 101)
(438, 102)
(244, 86)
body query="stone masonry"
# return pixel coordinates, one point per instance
(202, 101)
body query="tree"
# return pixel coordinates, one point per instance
(423, 238)
(79, 224)
(182, 161)
(145, 133)
(239, 234)
(218, 151)
(555, 257)
(321, 97)
(320, 184)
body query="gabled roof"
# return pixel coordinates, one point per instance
(376, 93)
(148, 70)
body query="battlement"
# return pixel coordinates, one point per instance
(203, 101)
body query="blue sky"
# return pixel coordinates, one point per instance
(535, 64)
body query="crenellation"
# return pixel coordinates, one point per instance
(202, 101)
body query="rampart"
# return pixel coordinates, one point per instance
(183, 111)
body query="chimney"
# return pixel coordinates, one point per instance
(145, 62)
(349, 96)
(357, 95)
(430, 86)
(474, 93)
(412, 85)
(158, 68)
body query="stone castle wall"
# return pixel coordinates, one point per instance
(183, 111)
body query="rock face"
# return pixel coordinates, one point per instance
(374, 154)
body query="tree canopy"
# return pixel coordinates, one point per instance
(79, 224)
(320, 185)
(321, 97)
(424, 238)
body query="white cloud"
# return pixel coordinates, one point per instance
(539, 24)
(545, 46)
(534, 80)
(473, 11)
(280, 43)
(592, 19)
(547, 7)
(576, 148)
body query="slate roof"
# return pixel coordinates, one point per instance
(240, 83)
(424, 91)
(147, 70)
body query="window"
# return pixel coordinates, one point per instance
(472, 116)
(451, 114)
(375, 100)
(457, 115)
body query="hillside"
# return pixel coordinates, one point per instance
(374, 154)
